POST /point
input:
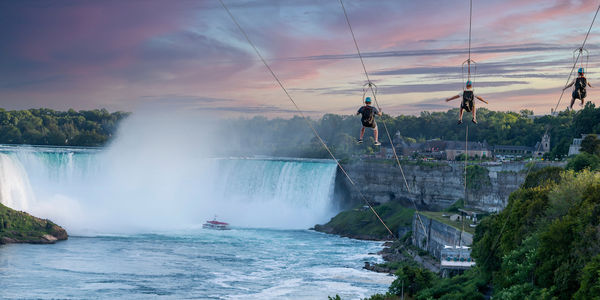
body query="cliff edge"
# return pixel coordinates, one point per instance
(436, 185)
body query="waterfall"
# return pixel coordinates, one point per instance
(109, 191)
(15, 190)
(298, 194)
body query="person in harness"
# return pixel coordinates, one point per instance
(580, 84)
(368, 113)
(468, 102)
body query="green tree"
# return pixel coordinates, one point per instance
(497, 235)
(544, 176)
(48, 127)
(590, 281)
(10, 134)
(515, 279)
(591, 144)
(584, 161)
(412, 279)
(468, 286)
(544, 245)
(568, 244)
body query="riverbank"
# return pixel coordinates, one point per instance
(21, 227)
(400, 253)
(362, 224)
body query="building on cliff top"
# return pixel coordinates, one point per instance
(576, 145)
(477, 149)
(450, 150)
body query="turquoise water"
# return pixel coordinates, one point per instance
(113, 201)
(197, 264)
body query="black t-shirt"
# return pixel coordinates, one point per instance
(362, 110)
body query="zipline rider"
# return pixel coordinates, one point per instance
(368, 113)
(468, 102)
(580, 84)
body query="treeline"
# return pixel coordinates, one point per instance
(58, 128)
(544, 245)
(292, 137)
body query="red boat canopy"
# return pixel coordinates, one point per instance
(217, 223)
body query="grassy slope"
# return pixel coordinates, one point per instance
(363, 224)
(20, 227)
(438, 216)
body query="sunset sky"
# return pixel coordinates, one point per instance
(188, 55)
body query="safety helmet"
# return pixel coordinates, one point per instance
(368, 100)
(469, 83)
(580, 71)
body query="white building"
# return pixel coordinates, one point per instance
(455, 260)
(574, 147)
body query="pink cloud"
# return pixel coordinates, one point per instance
(118, 53)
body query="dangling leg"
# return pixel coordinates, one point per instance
(362, 133)
(376, 135)
(460, 115)
(474, 115)
(572, 102)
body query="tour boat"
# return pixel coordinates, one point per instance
(214, 224)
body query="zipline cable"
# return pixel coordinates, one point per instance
(355, 42)
(466, 162)
(470, 25)
(547, 127)
(467, 129)
(373, 92)
(303, 116)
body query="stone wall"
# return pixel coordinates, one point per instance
(433, 235)
(433, 185)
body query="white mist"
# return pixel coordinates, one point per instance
(160, 174)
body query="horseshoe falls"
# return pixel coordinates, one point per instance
(82, 190)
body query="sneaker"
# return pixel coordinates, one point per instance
(359, 141)
(459, 122)
(474, 121)
(377, 143)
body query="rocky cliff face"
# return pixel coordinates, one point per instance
(432, 185)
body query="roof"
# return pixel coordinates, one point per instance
(472, 146)
(456, 247)
(457, 264)
(434, 145)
